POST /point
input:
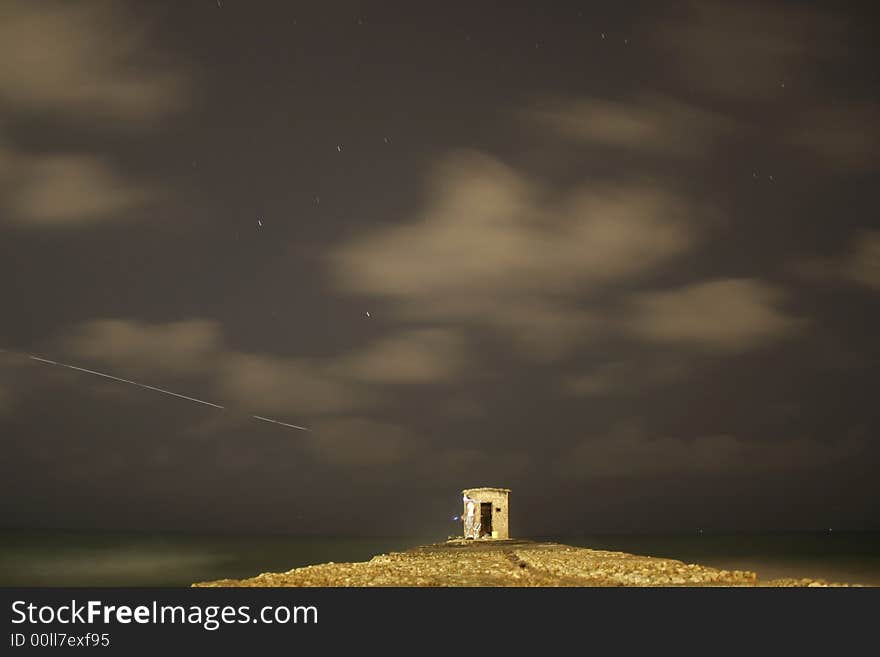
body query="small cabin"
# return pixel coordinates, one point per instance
(491, 513)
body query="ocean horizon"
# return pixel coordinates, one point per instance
(111, 558)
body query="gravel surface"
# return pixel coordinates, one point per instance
(510, 563)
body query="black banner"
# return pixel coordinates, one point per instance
(128, 621)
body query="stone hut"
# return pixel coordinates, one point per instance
(493, 511)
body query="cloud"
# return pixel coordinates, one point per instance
(195, 352)
(85, 59)
(726, 314)
(626, 376)
(846, 138)
(63, 190)
(542, 329)
(358, 442)
(459, 466)
(196, 349)
(745, 51)
(628, 450)
(863, 264)
(294, 385)
(860, 264)
(494, 248)
(188, 347)
(416, 356)
(654, 125)
(64, 64)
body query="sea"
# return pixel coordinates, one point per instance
(100, 558)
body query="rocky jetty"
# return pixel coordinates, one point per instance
(510, 563)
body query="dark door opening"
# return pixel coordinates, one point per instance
(485, 518)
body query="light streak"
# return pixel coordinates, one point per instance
(154, 389)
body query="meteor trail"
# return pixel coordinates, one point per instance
(154, 388)
(116, 378)
(283, 424)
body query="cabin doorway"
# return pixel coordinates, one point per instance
(485, 518)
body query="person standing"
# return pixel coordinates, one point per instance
(471, 519)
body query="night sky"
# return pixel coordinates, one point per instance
(621, 257)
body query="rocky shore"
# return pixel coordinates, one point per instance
(511, 563)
